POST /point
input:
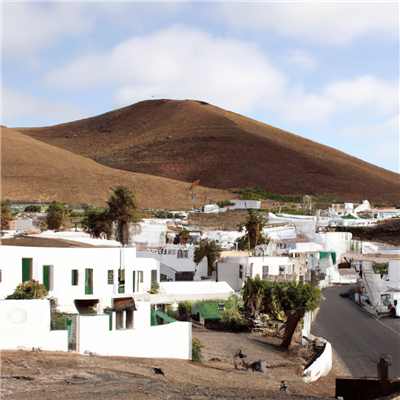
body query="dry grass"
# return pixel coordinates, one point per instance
(35, 171)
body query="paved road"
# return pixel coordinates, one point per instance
(358, 337)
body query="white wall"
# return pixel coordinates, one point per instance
(177, 264)
(173, 340)
(26, 323)
(154, 233)
(394, 273)
(321, 366)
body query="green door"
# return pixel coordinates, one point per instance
(26, 269)
(69, 325)
(134, 281)
(46, 276)
(88, 281)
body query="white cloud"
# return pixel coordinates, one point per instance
(295, 106)
(386, 130)
(302, 59)
(31, 27)
(17, 105)
(323, 23)
(179, 62)
(367, 92)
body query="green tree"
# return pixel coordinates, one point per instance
(253, 293)
(123, 211)
(295, 298)
(207, 248)
(29, 290)
(98, 222)
(57, 213)
(253, 224)
(196, 350)
(6, 215)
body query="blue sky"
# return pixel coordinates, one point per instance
(327, 71)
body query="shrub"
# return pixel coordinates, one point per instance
(185, 307)
(196, 350)
(29, 290)
(232, 316)
(155, 288)
(33, 208)
(223, 203)
(172, 312)
(59, 323)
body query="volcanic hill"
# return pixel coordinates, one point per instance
(190, 140)
(35, 171)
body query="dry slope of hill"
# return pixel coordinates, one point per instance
(188, 140)
(32, 170)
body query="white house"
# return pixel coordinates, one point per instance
(78, 273)
(175, 261)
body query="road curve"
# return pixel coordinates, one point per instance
(357, 336)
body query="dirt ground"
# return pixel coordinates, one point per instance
(53, 375)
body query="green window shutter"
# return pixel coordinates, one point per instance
(110, 321)
(88, 281)
(153, 275)
(133, 280)
(73, 277)
(26, 269)
(46, 277)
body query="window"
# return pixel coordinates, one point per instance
(110, 277)
(153, 276)
(88, 281)
(121, 281)
(140, 276)
(26, 269)
(74, 277)
(48, 276)
(1, 275)
(121, 276)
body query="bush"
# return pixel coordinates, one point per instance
(223, 203)
(232, 316)
(29, 290)
(172, 312)
(59, 323)
(185, 307)
(196, 350)
(155, 288)
(33, 208)
(77, 214)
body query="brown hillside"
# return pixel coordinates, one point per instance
(188, 140)
(32, 170)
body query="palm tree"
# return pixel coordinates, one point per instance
(207, 248)
(254, 224)
(123, 210)
(253, 295)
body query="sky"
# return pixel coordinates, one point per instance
(327, 71)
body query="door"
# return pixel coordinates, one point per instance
(46, 280)
(26, 269)
(88, 281)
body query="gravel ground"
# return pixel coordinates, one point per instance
(50, 375)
